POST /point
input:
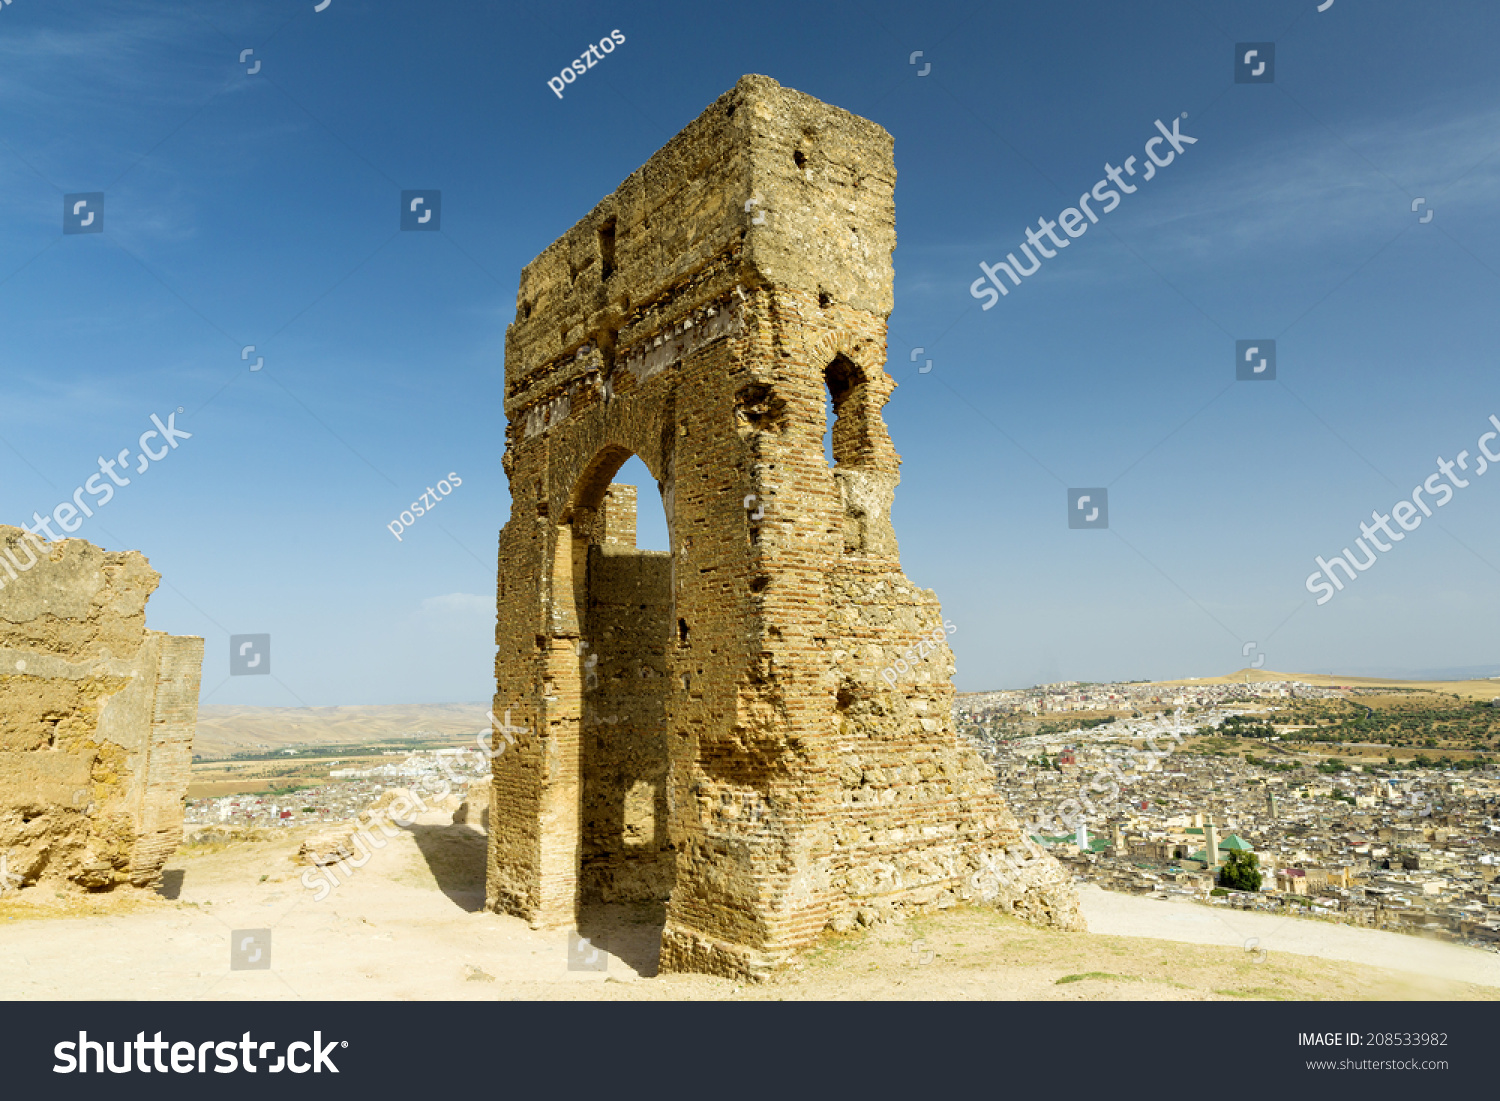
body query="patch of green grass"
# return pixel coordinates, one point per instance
(832, 948)
(1260, 992)
(1103, 976)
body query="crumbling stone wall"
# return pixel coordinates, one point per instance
(97, 716)
(700, 317)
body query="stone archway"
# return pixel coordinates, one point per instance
(622, 603)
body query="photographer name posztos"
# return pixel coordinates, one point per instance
(591, 56)
(431, 497)
(919, 652)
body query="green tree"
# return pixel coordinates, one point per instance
(1241, 872)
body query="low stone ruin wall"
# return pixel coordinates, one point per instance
(96, 717)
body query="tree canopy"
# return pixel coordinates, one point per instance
(1241, 872)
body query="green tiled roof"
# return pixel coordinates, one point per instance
(1231, 843)
(1096, 844)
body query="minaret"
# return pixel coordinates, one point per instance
(1119, 840)
(1211, 844)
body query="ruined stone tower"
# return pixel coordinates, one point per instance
(97, 716)
(710, 727)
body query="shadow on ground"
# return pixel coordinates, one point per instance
(456, 856)
(171, 883)
(629, 931)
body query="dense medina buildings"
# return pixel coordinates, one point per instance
(349, 791)
(1056, 700)
(1417, 853)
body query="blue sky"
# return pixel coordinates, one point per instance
(261, 209)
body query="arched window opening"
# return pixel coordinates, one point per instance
(845, 441)
(612, 670)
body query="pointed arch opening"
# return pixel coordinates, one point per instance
(616, 631)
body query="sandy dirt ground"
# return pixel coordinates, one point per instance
(409, 925)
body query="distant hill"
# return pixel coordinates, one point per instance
(226, 730)
(1478, 688)
(1482, 689)
(223, 731)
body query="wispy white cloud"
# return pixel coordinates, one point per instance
(1320, 185)
(118, 59)
(85, 99)
(1301, 194)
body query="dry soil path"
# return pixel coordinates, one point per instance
(1195, 923)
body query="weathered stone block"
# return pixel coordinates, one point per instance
(97, 716)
